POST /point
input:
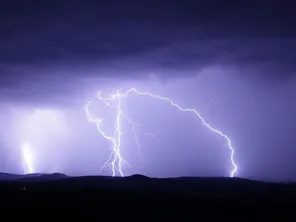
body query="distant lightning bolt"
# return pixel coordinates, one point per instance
(115, 158)
(28, 157)
(27, 152)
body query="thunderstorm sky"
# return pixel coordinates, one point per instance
(235, 63)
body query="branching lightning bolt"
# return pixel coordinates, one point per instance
(135, 133)
(115, 159)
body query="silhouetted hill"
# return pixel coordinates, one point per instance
(182, 186)
(94, 193)
(31, 177)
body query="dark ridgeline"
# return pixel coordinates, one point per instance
(186, 196)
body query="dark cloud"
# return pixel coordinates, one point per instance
(129, 36)
(54, 49)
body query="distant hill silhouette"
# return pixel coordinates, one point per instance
(182, 186)
(96, 195)
(31, 177)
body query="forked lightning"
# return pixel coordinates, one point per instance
(116, 161)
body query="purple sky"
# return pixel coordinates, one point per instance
(235, 63)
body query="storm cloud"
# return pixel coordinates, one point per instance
(54, 43)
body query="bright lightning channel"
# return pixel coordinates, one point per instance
(116, 160)
(27, 152)
(27, 155)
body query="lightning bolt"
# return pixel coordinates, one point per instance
(135, 130)
(115, 160)
(27, 151)
(27, 155)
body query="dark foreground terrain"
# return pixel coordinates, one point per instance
(142, 198)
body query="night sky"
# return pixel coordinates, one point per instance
(233, 62)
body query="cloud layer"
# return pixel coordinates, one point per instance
(51, 46)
